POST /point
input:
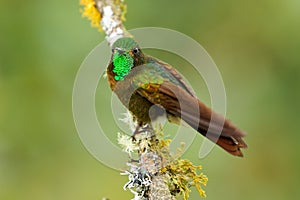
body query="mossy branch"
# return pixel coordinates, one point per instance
(107, 16)
(156, 174)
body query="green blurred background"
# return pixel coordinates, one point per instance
(256, 45)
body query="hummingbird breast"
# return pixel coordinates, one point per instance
(127, 94)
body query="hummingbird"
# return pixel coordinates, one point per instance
(141, 81)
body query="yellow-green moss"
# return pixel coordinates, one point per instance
(91, 12)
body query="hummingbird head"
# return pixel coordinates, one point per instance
(126, 54)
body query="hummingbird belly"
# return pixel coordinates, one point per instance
(143, 110)
(139, 107)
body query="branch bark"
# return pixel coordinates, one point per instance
(111, 20)
(146, 180)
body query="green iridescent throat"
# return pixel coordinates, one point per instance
(122, 65)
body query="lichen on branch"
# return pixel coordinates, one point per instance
(107, 16)
(91, 12)
(156, 174)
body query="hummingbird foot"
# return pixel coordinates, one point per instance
(136, 131)
(142, 131)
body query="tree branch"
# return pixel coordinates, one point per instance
(146, 180)
(111, 22)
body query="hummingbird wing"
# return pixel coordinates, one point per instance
(165, 91)
(174, 73)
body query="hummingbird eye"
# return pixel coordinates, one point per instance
(135, 50)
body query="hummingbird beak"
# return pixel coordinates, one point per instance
(120, 51)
